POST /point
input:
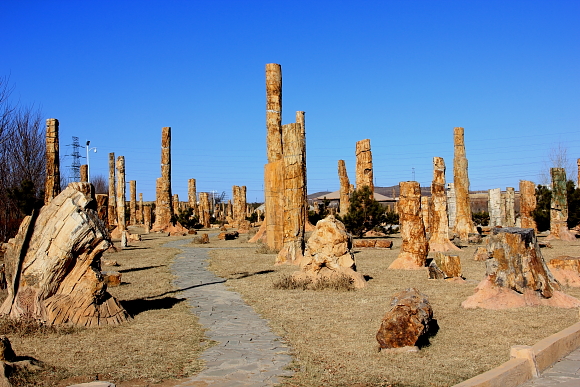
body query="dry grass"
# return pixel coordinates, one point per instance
(163, 341)
(333, 333)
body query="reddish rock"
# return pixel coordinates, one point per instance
(566, 270)
(112, 278)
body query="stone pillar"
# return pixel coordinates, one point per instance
(527, 204)
(510, 212)
(175, 204)
(84, 173)
(439, 233)
(133, 202)
(192, 196)
(494, 207)
(301, 119)
(294, 185)
(559, 207)
(52, 182)
(163, 204)
(274, 111)
(364, 165)
(578, 180)
(344, 188)
(425, 212)
(140, 210)
(502, 209)
(414, 248)
(103, 207)
(112, 194)
(147, 218)
(204, 209)
(463, 221)
(239, 203)
(451, 205)
(121, 199)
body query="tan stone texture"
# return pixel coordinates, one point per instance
(364, 165)
(439, 232)
(344, 188)
(480, 254)
(301, 119)
(527, 204)
(239, 204)
(121, 222)
(52, 180)
(494, 207)
(451, 205)
(164, 203)
(273, 112)
(112, 193)
(192, 196)
(103, 208)
(147, 212)
(566, 270)
(53, 265)
(463, 221)
(132, 202)
(449, 264)
(274, 195)
(204, 209)
(426, 212)
(140, 210)
(510, 213)
(176, 204)
(84, 173)
(559, 207)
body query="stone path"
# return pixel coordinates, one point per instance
(565, 373)
(247, 353)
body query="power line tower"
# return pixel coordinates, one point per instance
(75, 167)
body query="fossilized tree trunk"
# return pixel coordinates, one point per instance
(121, 223)
(426, 212)
(163, 204)
(147, 218)
(204, 214)
(84, 173)
(527, 204)
(239, 204)
(112, 194)
(274, 111)
(192, 196)
(559, 207)
(414, 248)
(578, 180)
(439, 235)
(344, 188)
(274, 191)
(103, 208)
(140, 210)
(294, 186)
(451, 205)
(53, 265)
(494, 207)
(510, 212)
(463, 221)
(52, 182)
(175, 204)
(364, 165)
(301, 119)
(133, 202)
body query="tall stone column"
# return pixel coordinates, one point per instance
(578, 180)
(439, 233)
(414, 249)
(451, 205)
(510, 212)
(192, 196)
(559, 207)
(426, 212)
(364, 165)
(112, 195)
(301, 119)
(204, 215)
(147, 218)
(274, 111)
(527, 204)
(132, 202)
(175, 204)
(163, 204)
(494, 207)
(52, 182)
(239, 204)
(463, 221)
(84, 173)
(294, 193)
(121, 223)
(344, 188)
(140, 210)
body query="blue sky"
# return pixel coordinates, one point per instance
(402, 73)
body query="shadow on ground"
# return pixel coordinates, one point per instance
(139, 268)
(140, 305)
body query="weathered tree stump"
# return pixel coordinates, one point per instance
(445, 266)
(527, 204)
(344, 188)
(559, 207)
(408, 323)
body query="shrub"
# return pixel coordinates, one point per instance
(340, 282)
(364, 212)
(265, 249)
(480, 218)
(541, 214)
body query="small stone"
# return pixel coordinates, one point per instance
(112, 278)
(481, 254)
(474, 239)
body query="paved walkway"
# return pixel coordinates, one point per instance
(247, 353)
(565, 373)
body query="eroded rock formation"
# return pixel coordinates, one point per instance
(192, 196)
(204, 214)
(510, 213)
(121, 222)
(103, 208)
(344, 188)
(527, 204)
(364, 165)
(163, 203)
(112, 194)
(451, 206)
(463, 221)
(566, 270)
(140, 210)
(84, 170)
(439, 233)
(239, 204)
(494, 207)
(559, 207)
(132, 202)
(52, 182)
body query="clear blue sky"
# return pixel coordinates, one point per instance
(402, 73)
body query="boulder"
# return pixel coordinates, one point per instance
(445, 266)
(112, 278)
(227, 236)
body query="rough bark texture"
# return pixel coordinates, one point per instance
(274, 195)
(204, 214)
(517, 274)
(301, 119)
(121, 223)
(139, 216)
(559, 207)
(192, 196)
(103, 208)
(175, 204)
(510, 212)
(463, 221)
(163, 204)
(364, 165)
(414, 248)
(372, 243)
(239, 205)
(147, 211)
(344, 188)
(408, 321)
(53, 265)
(132, 202)
(84, 173)
(294, 194)
(426, 212)
(527, 204)
(480, 254)
(439, 232)
(494, 207)
(328, 253)
(450, 265)
(274, 112)
(52, 182)
(112, 193)
(451, 205)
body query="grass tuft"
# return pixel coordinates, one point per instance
(265, 249)
(28, 326)
(339, 283)
(287, 281)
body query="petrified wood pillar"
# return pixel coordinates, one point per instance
(578, 180)
(414, 248)
(425, 212)
(364, 165)
(510, 212)
(294, 193)
(301, 119)
(112, 194)
(147, 218)
(516, 274)
(204, 216)
(103, 207)
(133, 202)
(163, 204)
(52, 182)
(140, 210)
(84, 173)
(53, 265)
(121, 223)
(559, 207)
(192, 196)
(344, 188)
(463, 221)
(439, 235)
(494, 207)
(239, 203)
(176, 206)
(274, 111)
(451, 205)
(527, 204)
(274, 191)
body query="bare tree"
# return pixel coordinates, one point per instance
(100, 183)
(557, 158)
